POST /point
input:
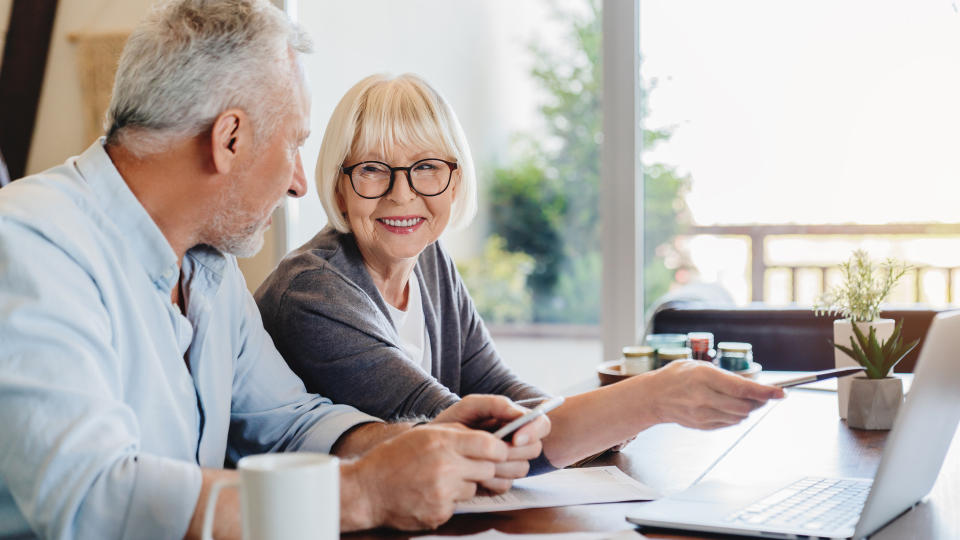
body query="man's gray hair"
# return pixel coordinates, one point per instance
(190, 60)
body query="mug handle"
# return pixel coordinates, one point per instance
(212, 505)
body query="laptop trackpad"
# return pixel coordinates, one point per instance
(714, 491)
(706, 502)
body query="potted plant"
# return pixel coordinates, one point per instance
(857, 300)
(875, 396)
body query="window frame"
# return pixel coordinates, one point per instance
(621, 195)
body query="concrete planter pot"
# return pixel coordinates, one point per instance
(842, 332)
(874, 402)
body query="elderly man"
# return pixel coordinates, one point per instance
(133, 362)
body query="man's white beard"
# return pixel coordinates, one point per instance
(236, 231)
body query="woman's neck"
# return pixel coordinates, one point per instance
(392, 280)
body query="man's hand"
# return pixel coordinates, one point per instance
(489, 412)
(700, 395)
(412, 481)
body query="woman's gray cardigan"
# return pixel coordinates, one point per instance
(331, 324)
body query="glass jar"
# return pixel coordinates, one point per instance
(734, 355)
(669, 354)
(701, 346)
(638, 359)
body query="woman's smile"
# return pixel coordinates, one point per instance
(401, 224)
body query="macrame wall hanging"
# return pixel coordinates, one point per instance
(97, 57)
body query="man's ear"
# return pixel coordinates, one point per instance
(230, 135)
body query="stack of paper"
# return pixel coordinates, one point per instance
(564, 488)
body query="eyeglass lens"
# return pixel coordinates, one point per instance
(428, 176)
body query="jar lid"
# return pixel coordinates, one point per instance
(637, 351)
(734, 346)
(661, 338)
(674, 353)
(700, 335)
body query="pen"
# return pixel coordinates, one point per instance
(819, 376)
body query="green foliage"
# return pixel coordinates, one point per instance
(665, 216)
(497, 282)
(878, 358)
(526, 210)
(547, 204)
(576, 297)
(865, 286)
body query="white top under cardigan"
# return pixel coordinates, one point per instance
(412, 328)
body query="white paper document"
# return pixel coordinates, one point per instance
(563, 488)
(493, 534)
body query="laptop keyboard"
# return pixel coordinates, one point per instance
(815, 504)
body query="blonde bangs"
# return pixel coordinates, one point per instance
(401, 113)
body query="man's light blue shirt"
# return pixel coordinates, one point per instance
(103, 428)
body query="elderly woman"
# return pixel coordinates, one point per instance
(371, 311)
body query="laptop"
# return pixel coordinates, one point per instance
(840, 507)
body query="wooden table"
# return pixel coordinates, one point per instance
(800, 435)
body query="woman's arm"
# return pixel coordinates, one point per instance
(690, 393)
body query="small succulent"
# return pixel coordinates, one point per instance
(878, 358)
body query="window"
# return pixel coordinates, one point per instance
(790, 133)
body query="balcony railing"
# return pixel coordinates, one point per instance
(758, 235)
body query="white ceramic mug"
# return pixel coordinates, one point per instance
(285, 496)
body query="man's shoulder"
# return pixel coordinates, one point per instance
(51, 193)
(55, 205)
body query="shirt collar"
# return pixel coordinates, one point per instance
(142, 235)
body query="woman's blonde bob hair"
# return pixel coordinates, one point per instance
(380, 113)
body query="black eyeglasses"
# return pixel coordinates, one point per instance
(374, 179)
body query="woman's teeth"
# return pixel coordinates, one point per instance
(401, 222)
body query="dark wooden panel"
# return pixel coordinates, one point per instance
(21, 77)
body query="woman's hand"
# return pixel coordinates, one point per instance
(489, 412)
(700, 395)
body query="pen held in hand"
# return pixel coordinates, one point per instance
(819, 376)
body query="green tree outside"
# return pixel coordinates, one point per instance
(546, 204)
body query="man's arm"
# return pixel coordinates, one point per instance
(226, 523)
(411, 482)
(412, 478)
